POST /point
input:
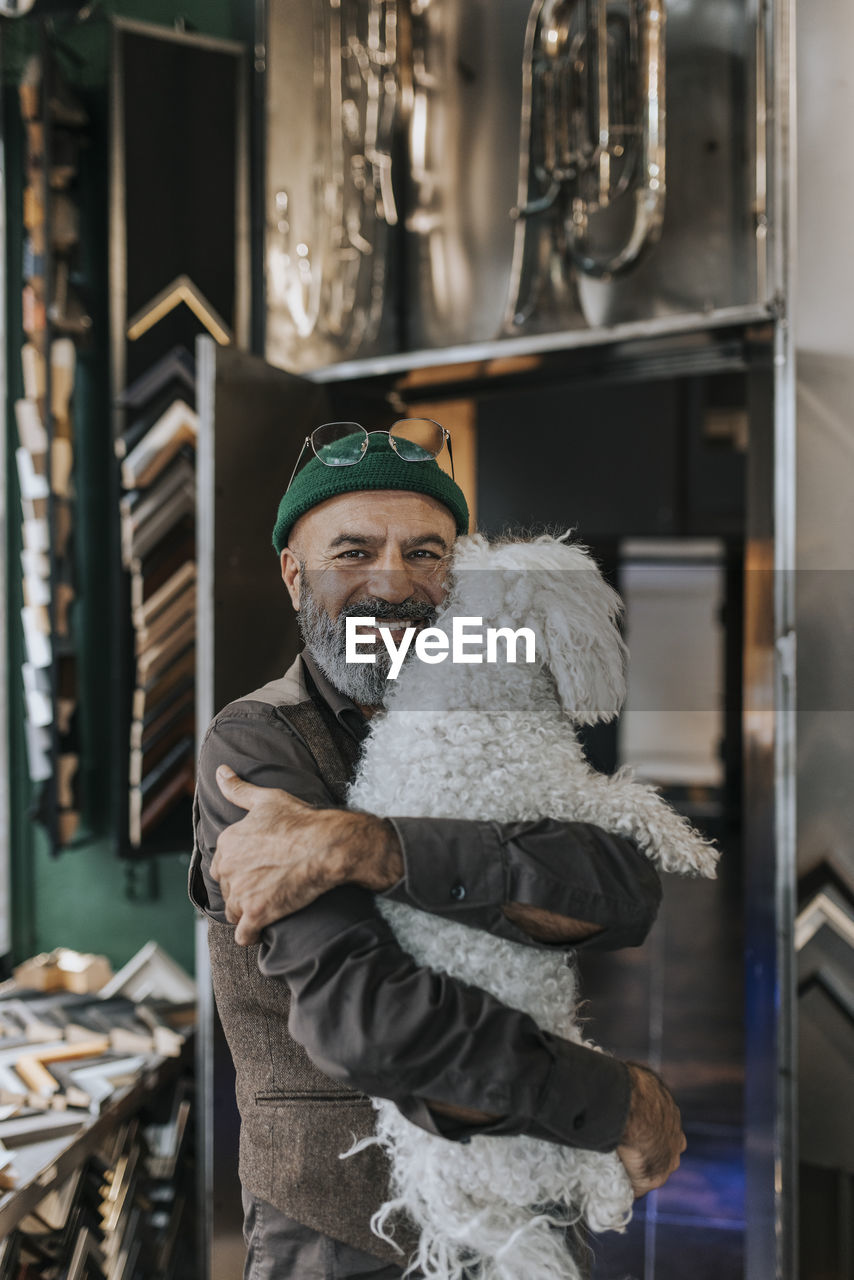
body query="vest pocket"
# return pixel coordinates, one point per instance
(282, 1098)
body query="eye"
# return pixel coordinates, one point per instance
(355, 553)
(423, 553)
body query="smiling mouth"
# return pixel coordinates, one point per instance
(397, 625)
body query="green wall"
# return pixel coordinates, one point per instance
(86, 897)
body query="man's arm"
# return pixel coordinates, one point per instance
(561, 883)
(483, 1067)
(369, 1016)
(556, 883)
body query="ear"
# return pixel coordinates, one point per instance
(577, 613)
(290, 574)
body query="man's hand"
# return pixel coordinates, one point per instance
(285, 853)
(653, 1139)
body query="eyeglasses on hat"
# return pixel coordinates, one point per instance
(343, 444)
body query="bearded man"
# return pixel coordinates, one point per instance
(320, 1005)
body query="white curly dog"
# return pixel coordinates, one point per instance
(496, 742)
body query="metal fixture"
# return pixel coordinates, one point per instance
(334, 283)
(593, 114)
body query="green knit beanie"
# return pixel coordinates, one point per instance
(380, 468)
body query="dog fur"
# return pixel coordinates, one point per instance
(497, 742)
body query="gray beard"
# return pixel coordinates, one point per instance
(325, 639)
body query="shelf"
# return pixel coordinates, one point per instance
(506, 349)
(45, 1165)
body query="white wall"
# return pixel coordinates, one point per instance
(824, 331)
(672, 724)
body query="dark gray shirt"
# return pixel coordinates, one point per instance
(364, 1011)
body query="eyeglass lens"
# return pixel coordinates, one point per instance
(339, 444)
(416, 439)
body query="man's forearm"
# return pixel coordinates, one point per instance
(375, 857)
(559, 883)
(376, 863)
(368, 1016)
(611, 886)
(286, 853)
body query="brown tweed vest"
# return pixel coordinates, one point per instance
(295, 1121)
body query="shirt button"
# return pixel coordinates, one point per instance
(458, 891)
(578, 1122)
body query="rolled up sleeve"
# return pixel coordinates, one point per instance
(470, 870)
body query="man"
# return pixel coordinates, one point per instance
(328, 1008)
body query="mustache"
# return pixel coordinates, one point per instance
(376, 607)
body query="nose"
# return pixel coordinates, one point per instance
(390, 578)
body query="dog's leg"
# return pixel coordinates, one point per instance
(629, 808)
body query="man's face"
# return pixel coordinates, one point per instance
(378, 554)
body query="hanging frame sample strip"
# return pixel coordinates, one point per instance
(179, 107)
(54, 320)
